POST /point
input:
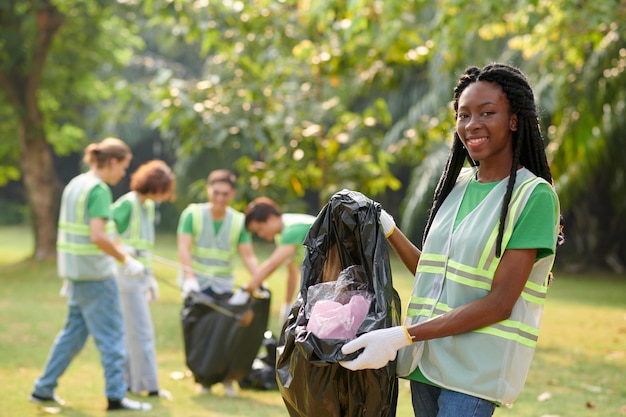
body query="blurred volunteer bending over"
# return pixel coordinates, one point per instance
(287, 231)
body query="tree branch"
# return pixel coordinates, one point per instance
(49, 20)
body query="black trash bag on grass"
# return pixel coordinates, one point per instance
(222, 340)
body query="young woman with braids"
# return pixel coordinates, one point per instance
(481, 277)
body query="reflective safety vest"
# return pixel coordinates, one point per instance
(456, 267)
(212, 253)
(140, 231)
(78, 258)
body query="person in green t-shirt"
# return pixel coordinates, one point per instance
(482, 275)
(209, 236)
(134, 216)
(86, 258)
(287, 231)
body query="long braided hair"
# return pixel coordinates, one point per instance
(528, 147)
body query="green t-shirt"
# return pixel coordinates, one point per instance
(185, 226)
(121, 214)
(295, 229)
(293, 234)
(534, 228)
(99, 202)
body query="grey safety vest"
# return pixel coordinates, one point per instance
(140, 231)
(212, 253)
(457, 267)
(78, 258)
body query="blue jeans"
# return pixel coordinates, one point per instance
(431, 401)
(94, 308)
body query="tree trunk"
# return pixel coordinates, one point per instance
(20, 82)
(42, 189)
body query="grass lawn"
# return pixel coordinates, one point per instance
(579, 369)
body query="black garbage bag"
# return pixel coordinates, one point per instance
(310, 379)
(262, 376)
(222, 340)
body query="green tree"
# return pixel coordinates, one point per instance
(574, 56)
(53, 56)
(290, 86)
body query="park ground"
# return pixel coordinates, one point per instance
(579, 368)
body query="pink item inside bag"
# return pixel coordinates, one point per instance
(333, 320)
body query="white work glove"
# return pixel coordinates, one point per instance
(379, 348)
(190, 285)
(153, 289)
(239, 298)
(387, 223)
(132, 267)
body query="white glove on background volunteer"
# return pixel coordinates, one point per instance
(153, 289)
(190, 285)
(379, 348)
(387, 222)
(132, 267)
(239, 298)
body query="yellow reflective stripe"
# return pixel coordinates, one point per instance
(236, 224)
(515, 207)
(79, 248)
(134, 231)
(467, 275)
(534, 293)
(433, 257)
(213, 253)
(196, 218)
(431, 263)
(82, 229)
(210, 269)
(506, 329)
(420, 306)
(513, 330)
(74, 228)
(81, 204)
(488, 255)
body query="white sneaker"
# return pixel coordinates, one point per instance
(128, 404)
(229, 389)
(161, 393)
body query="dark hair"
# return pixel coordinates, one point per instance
(98, 154)
(528, 146)
(222, 175)
(260, 209)
(154, 177)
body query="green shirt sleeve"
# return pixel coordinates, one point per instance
(122, 210)
(99, 202)
(535, 227)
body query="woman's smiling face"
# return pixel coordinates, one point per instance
(485, 125)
